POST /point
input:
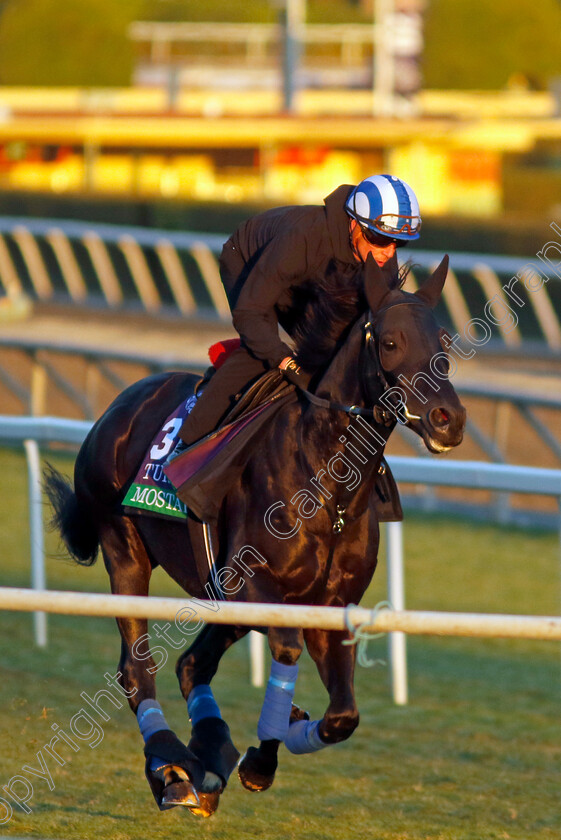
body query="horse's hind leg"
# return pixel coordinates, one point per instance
(258, 766)
(199, 663)
(129, 571)
(173, 772)
(210, 735)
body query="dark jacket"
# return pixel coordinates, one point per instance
(274, 264)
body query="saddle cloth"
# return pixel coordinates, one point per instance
(213, 464)
(206, 471)
(199, 479)
(151, 491)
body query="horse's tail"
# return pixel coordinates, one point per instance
(72, 520)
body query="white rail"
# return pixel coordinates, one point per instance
(471, 475)
(478, 625)
(256, 39)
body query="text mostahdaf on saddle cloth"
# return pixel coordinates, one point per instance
(198, 480)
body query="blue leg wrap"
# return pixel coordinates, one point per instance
(303, 737)
(151, 719)
(277, 705)
(201, 704)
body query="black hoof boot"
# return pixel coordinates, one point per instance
(211, 743)
(177, 773)
(257, 767)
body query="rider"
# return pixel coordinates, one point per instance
(276, 265)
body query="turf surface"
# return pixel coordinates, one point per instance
(475, 755)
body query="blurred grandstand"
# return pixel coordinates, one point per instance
(282, 109)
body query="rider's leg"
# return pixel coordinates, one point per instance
(238, 371)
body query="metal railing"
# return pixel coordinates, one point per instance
(525, 404)
(490, 274)
(164, 271)
(255, 41)
(97, 368)
(117, 266)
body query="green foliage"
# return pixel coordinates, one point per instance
(469, 43)
(480, 44)
(64, 42)
(250, 11)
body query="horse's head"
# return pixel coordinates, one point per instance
(405, 355)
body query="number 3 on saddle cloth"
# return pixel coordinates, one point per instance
(199, 479)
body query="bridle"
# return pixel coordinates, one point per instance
(371, 372)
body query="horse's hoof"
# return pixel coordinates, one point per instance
(209, 795)
(252, 774)
(208, 803)
(178, 789)
(180, 793)
(296, 713)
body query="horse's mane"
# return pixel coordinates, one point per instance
(338, 301)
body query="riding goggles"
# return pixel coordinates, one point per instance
(397, 224)
(380, 240)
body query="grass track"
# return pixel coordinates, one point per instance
(475, 755)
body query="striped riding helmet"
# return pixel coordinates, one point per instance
(387, 205)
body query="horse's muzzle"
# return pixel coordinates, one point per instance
(443, 427)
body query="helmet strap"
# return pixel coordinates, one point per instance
(354, 249)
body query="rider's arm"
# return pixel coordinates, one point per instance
(282, 264)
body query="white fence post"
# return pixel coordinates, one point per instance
(257, 658)
(397, 643)
(38, 578)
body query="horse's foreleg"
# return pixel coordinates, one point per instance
(210, 735)
(172, 770)
(258, 766)
(335, 663)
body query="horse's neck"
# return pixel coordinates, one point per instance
(326, 432)
(340, 382)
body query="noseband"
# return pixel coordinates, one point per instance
(372, 372)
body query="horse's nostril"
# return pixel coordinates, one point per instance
(439, 418)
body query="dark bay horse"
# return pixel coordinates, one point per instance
(301, 524)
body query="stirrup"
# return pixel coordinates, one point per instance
(179, 448)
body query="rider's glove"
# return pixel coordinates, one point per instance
(294, 373)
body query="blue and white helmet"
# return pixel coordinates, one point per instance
(386, 205)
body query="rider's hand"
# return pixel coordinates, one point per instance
(294, 373)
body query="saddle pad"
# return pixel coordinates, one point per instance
(151, 490)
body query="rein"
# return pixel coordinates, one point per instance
(370, 345)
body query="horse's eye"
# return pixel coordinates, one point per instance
(389, 345)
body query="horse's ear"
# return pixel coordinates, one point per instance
(431, 289)
(375, 284)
